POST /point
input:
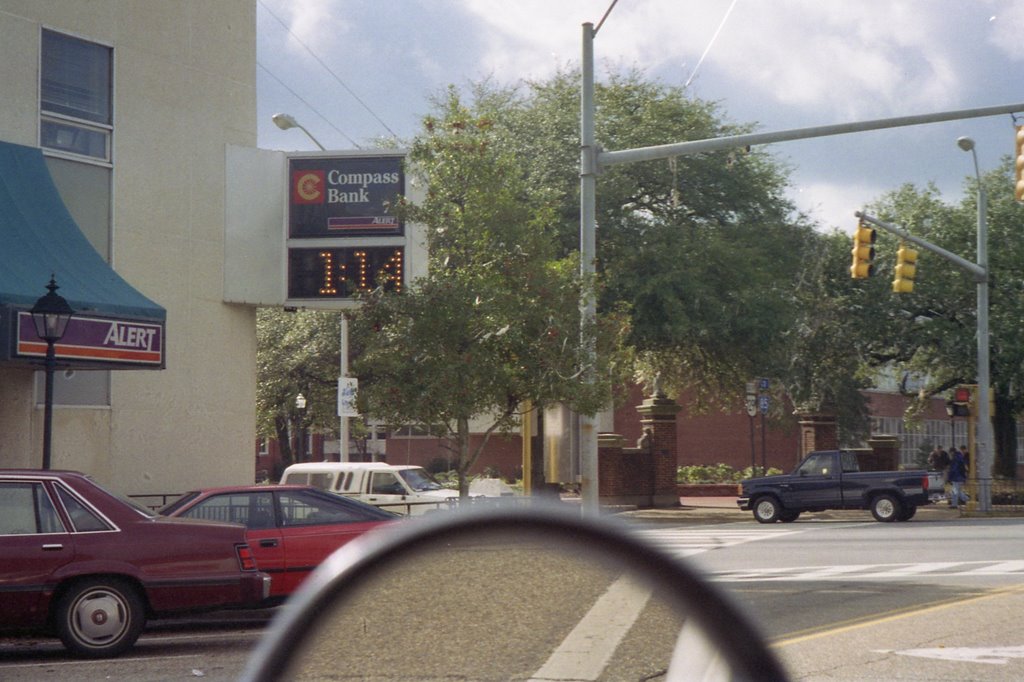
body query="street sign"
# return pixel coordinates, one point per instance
(347, 397)
(763, 403)
(751, 405)
(763, 384)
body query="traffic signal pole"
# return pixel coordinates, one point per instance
(983, 460)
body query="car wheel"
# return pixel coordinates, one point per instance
(907, 513)
(767, 510)
(789, 516)
(886, 508)
(100, 617)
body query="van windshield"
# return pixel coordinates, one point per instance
(419, 480)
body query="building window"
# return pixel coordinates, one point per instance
(75, 130)
(75, 96)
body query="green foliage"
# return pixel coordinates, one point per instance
(703, 251)
(825, 344)
(296, 352)
(495, 322)
(719, 473)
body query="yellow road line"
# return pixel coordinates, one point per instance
(896, 614)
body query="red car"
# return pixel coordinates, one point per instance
(84, 564)
(291, 528)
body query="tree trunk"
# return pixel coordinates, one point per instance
(462, 448)
(284, 444)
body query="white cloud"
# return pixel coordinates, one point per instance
(781, 63)
(316, 23)
(832, 205)
(843, 56)
(1007, 27)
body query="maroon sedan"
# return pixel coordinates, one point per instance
(291, 528)
(82, 563)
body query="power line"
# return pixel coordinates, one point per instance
(710, 43)
(328, 69)
(311, 107)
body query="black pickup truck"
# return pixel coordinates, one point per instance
(832, 479)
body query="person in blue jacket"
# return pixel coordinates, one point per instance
(957, 476)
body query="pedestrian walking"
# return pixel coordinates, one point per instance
(957, 476)
(938, 460)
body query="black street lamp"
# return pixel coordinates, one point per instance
(951, 411)
(300, 406)
(50, 316)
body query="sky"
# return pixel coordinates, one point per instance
(351, 71)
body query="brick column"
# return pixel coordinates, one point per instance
(658, 415)
(817, 432)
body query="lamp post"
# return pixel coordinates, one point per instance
(50, 316)
(287, 122)
(951, 411)
(300, 449)
(983, 442)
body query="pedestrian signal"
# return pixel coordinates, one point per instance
(863, 251)
(905, 270)
(960, 405)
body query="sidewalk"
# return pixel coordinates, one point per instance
(724, 510)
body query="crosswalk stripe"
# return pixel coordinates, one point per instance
(689, 541)
(943, 569)
(684, 542)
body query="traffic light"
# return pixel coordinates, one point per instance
(1018, 189)
(906, 268)
(863, 251)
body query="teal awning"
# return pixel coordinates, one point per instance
(39, 237)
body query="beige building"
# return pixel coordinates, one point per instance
(130, 105)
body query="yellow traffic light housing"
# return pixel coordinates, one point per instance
(905, 270)
(1018, 188)
(863, 251)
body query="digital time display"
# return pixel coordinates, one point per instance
(343, 272)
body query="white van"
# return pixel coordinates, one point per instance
(404, 489)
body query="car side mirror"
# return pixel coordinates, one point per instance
(514, 593)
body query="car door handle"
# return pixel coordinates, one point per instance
(269, 542)
(53, 548)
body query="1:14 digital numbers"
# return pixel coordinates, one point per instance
(343, 272)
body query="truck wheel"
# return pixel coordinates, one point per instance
(100, 617)
(767, 510)
(789, 516)
(907, 513)
(886, 508)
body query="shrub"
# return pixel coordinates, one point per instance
(717, 473)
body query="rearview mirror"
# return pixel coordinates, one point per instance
(493, 594)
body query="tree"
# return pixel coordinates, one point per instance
(297, 352)
(495, 322)
(827, 367)
(703, 251)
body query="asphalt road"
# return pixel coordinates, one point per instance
(841, 597)
(837, 598)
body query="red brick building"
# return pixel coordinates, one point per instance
(734, 439)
